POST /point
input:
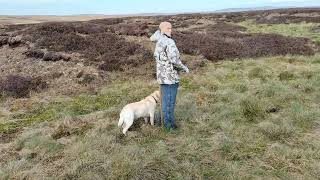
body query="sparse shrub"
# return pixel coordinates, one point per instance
(63, 42)
(3, 40)
(108, 21)
(44, 29)
(16, 86)
(113, 51)
(222, 26)
(225, 45)
(89, 28)
(133, 29)
(19, 86)
(111, 63)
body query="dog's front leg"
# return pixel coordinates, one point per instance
(146, 120)
(152, 118)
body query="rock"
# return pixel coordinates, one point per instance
(15, 41)
(52, 56)
(64, 57)
(34, 53)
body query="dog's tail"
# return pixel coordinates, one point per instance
(121, 120)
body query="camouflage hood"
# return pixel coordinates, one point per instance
(156, 36)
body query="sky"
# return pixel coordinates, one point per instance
(116, 7)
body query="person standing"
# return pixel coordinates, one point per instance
(168, 62)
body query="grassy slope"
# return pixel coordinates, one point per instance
(226, 129)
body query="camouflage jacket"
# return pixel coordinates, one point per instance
(167, 57)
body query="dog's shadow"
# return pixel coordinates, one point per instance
(139, 123)
(136, 126)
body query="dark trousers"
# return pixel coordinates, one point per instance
(168, 95)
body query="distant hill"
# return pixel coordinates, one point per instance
(250, 9)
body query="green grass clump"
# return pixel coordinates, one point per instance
(252, 109)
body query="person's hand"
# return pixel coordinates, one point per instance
(186, 70)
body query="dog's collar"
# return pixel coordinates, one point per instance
(155, 99)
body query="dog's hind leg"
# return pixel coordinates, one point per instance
(128, 124)
(120, 123)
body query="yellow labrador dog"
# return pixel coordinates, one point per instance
(144, 108)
